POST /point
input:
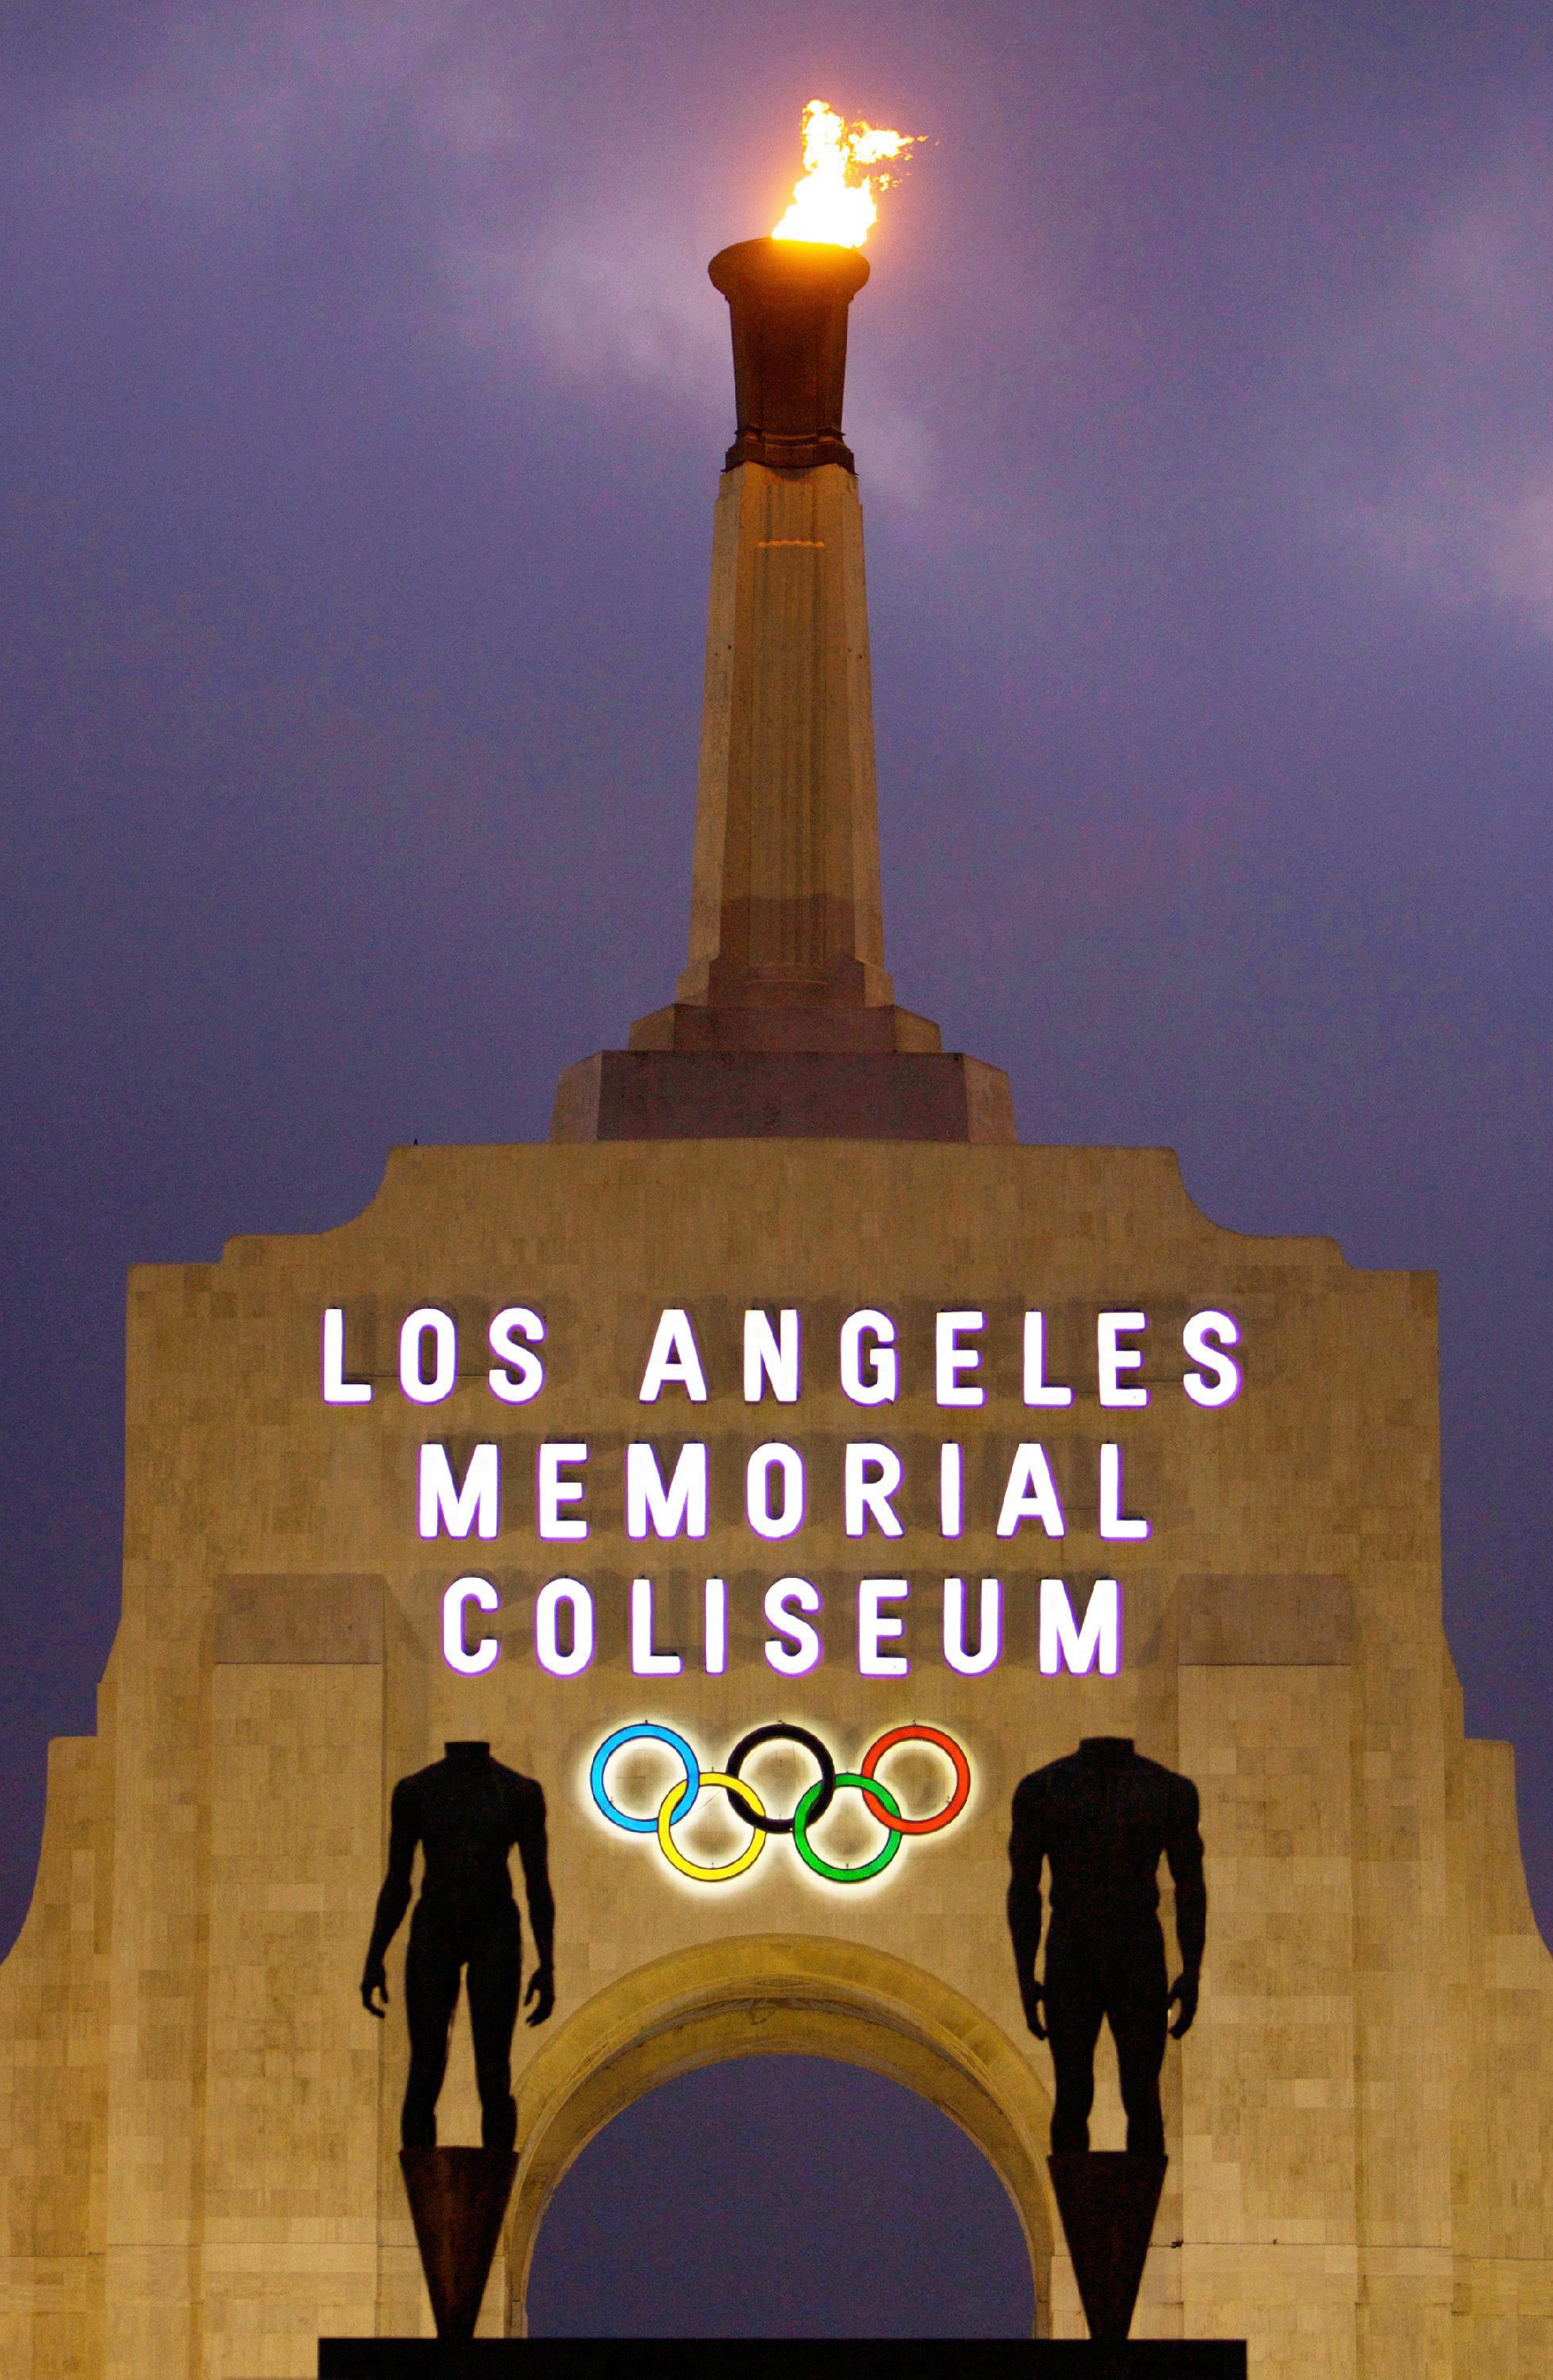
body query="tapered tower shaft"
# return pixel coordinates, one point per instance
(786, 923)
(784, 1019)
(785, 900)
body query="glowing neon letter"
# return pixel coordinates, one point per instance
(874, 1626)
(771, 1355)
(337, 1389)
(1116, 1359)
(717, 1627)
(554, 1491)
(882, 1378)
(459, 1510)
(795, 1658)
(1063, 1645)
(519, 1375)
(950, 1359)
(665, 1511)
(547, 1641)
(757, 1490)
(990, 1643)
(674, 1357)
(459, 1596)
(1222, 1381)
(871, 1475)
(645, 1662)
(951, 1493)
(412, 1369)
(1114, 1521)
(1031, 1495)
(1039, 1391)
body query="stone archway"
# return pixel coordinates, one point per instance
(755, 1995)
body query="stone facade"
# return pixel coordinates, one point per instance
(197, 2124)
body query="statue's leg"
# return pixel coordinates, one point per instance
(1073, 2009)
(495, 1974)
(1136, 2005)
(431, 1966)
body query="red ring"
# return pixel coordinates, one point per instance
(945, 1743)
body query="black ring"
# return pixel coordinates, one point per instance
(778, 1728)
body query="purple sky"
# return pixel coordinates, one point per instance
(363, 401)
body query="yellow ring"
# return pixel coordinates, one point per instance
(670, 1850)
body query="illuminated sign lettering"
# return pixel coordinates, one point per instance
(1020, 1490)
(1067, 1643)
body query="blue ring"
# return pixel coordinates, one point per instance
(613, 1743)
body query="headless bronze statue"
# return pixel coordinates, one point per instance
(466, 1813)
(1102, 1817)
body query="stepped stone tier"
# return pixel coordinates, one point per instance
(1019, 1416)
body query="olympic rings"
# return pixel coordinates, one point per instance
(617, 1743)
(861, 1874)
(669, 1810)
(956, 1800)
(778, 1728)
(813, 1803)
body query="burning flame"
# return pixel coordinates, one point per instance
(833, 198)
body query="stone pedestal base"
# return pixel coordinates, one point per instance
(779, 2358)
(798, 1095)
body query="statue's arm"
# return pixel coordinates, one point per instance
(533, 1850)
(404, 1833)
(1184, 1855)
(1026, 1850)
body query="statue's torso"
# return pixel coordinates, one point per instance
(468, 1820)
(1104, 1829)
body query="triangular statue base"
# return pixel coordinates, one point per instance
(457, 2200)
(1108, 2199)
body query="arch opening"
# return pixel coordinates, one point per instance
(781, 2197)
(792, 1997)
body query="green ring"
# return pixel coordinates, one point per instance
(822, 1867)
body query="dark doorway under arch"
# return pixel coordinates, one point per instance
(781, 2197)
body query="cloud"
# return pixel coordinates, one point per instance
(559, 233)
(551, 240)
(591, 297)
(561, 208)
(1480, 533)
(1435, 439)
(222, 105)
